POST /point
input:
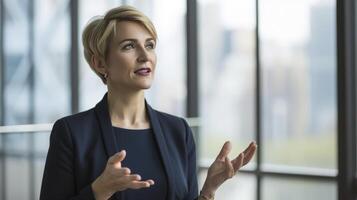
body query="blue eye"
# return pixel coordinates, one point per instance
(150, 46)
(128, 46)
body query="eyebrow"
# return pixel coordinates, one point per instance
(134, 40)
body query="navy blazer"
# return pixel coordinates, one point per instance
(81, 144)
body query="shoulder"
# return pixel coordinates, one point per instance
(80, 117)
(76, 127)
(177, 131)
(76, 120)
(177, 125)
(170, 119)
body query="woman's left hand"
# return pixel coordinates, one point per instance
(222, 168)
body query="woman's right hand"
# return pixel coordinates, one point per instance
(117, 178)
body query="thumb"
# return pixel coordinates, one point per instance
(117, 158)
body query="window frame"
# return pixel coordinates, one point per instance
(345, 178)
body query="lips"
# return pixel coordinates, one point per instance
(143, 70)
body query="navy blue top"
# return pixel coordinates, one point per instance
(143, 158)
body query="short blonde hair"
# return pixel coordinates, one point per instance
(99, 32)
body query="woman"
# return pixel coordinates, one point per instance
(122, 148)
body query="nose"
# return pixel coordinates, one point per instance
(142, 55)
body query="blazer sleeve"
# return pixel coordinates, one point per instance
(192, 167)
(58, 182)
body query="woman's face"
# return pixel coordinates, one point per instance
(132, 59)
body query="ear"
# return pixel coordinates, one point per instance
(98, 64)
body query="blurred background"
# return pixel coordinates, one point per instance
(239, 70)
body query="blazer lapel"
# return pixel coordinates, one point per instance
(102, 113)
(161, 142)
(106, 129)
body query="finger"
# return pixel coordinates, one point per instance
(151, 182)
(249, 155)
(126, 181)
(123, 171)
(139, 184)
(133, 181)
(249, 152)
(249, 148)
(238, 162)
(224, 151)
(117, 158)
(229, 168)
(129, 178)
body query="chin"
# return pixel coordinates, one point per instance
(144, 86)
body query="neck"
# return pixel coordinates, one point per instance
(127, 109)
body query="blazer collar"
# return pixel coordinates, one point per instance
(102, 113)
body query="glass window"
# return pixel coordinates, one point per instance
(297, 189)
(91, 87)
(36, 50)
(16, 63)
(41, 142)
(227, 74)
(22, 169)
(39, 165)
(51, 60)
(17, 143)
(37, 86)
(298, 59)
(17, 178)
(40, 148)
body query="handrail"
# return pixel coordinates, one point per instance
(26, 128)
(282, 170)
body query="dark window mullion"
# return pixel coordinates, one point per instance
(192, 79)
(346, 85)
(74, 62)
(192, 59)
